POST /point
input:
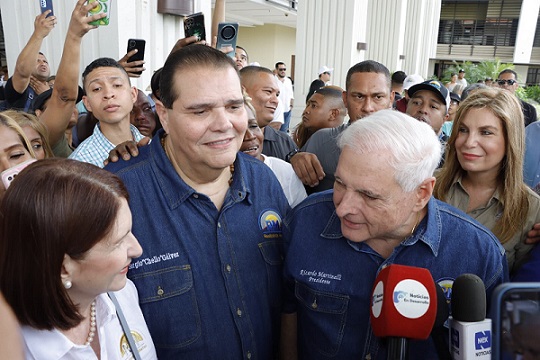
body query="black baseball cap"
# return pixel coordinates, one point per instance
(434, 86)
(455, 97)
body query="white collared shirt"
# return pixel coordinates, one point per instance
(52, 344)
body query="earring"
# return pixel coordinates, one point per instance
(67, 284)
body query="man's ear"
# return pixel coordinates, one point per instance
(134, 94)
(38, 112)
(392, 97)
(334, 113)
(86, 103)
(163, 115)
(424, 192)
(344, 97)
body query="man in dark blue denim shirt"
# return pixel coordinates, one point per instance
(208, 219)
(380, 212)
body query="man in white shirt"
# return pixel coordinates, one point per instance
(286, 95)
(461, 78)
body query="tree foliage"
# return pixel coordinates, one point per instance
(480, 71)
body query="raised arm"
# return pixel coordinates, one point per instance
(217, 17)
(64, 95)
(27, 60)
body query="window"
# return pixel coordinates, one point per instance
(469, 22)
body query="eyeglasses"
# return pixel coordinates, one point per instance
(504, 82)
(283, 69)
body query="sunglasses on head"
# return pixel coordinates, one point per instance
(509, 82)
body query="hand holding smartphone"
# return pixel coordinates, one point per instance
(140, 45)
(104, 6)
(46, 5)
(226, 37)
(194, 26)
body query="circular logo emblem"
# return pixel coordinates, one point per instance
(377, 299)
(411, 298)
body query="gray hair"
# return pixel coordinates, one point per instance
(414, 149)
(470, 89)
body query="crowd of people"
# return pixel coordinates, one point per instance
(195, 223)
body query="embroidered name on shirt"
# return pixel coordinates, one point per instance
(319, 276)
(154, 259)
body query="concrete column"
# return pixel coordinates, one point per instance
(328, 33)
(526, 30)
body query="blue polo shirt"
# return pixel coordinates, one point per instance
(209, 281)
(330, 278)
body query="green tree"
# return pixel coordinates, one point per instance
(492, 68)
(480, 71)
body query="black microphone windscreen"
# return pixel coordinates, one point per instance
(468, 298)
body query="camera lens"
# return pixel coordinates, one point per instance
(132, 44)
(228, 32)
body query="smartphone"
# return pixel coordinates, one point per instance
(194, 26)
(138, 44)
(46, 5)
(226, 36)
(515, 316)
(10, 174)
(104, 6)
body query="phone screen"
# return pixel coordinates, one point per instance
(519, 323)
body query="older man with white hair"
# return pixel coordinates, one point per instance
(380, 212)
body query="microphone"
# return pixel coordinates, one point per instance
(470, 331)
(403, 306)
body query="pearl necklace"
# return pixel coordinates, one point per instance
(92, 331)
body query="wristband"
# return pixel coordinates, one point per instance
(291, 154)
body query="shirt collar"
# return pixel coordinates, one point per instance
(428, 231)
(270, 134)
(496, 195)
(176, 191)
(60, 345)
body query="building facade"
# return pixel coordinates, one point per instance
(479, 30)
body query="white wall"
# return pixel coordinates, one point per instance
(268, 44)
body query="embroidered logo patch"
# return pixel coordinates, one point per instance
(270, 224)
(125, 350)
(446, 285)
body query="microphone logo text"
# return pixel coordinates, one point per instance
(482, 340)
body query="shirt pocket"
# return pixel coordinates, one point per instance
(322, 316)
(169, 305)
(272, 253)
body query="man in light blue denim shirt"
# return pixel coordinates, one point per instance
(208, 219)
(380, 212)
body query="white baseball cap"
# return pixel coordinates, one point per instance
(412, 80)
(324, 69)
